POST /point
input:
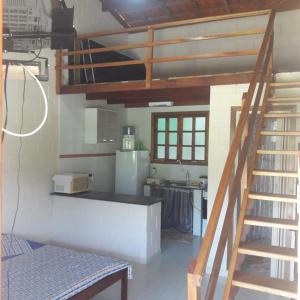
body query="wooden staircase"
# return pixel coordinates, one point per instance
(256, 282)
(267, 101)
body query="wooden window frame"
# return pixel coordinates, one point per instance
(180, 116)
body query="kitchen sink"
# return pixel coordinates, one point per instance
(180, 183)
(175, 183)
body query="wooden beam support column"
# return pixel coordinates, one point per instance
(58, 59)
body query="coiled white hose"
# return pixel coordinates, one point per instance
(46, 109)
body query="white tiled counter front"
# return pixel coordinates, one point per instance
(123, 230)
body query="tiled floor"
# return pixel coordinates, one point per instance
(165, 277)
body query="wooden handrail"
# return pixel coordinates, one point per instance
(150, 44)
(205, 56)
(162, 59)
(173, 24)
(167, 42)
(258, 77)
(102, 65)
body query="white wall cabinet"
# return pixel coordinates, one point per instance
(100, 126)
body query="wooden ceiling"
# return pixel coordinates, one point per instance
(132, 13)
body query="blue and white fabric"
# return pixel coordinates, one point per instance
(55, 273)
(13, 245)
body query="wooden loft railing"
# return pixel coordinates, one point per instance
(254, 100)
(149, 60)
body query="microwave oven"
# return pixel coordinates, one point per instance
(71, 183)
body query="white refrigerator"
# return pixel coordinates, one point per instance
(132, 169)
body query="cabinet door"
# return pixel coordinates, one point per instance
(107, 126)
(91, 126)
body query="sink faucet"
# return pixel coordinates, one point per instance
(188, 178)
(180, 163)
(187, 174)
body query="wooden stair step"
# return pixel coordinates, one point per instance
(285, 85)
(279, 133)
(273, 197)
(282, 115)
(265, 284)
(273, 173)
(277, 152)
(284, 99)
(271, 222)
(280, 107)
(269, 251)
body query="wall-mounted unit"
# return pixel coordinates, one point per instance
(101, 126)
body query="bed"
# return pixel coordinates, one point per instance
(38, 271)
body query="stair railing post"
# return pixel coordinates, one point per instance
(149, 64)
(194, 282)
(244, 178)
(298, 207)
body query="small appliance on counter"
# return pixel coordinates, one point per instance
(128, 143)
(71, 183)
(154, 180)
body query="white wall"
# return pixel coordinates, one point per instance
(89, 18)
(38, 156)
(141, 119)
(72, 142)
(221, 101)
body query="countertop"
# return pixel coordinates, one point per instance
(170, 186)
(112, 197)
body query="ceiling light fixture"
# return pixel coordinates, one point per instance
(161, 104)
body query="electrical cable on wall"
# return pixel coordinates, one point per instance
(36, 56)
(5, 98)
(18, 179)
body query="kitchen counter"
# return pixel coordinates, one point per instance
(112, 197)
(122, 226)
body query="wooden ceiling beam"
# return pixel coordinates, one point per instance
(171, 83)
(196, 4)
(177, 102)
(121, 20)
(166, 8)
(226, 5)
(174, 98)
(159, 93)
